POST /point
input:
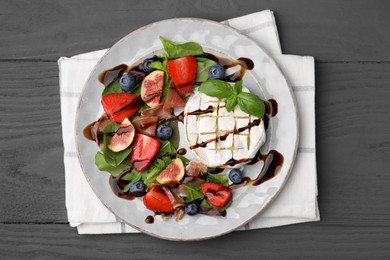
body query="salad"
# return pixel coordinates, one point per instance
(138, 133)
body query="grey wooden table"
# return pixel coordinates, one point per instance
(351, 43)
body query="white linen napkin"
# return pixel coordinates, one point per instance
(296, 203)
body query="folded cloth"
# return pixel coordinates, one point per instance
(296, 203)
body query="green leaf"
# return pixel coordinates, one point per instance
(137, 89)
(238, 87)
(206, 203)
(114, 158)
(184, 159)
(219, 179)
(161, 64)
(158, 65)
(166, 147)
(175, 50)
(111, 128)
(151, 176)
(251, 104)
(216, 88)
(194, 192)
(231, 102)
(202, 68)
(104, 166)
(113, 87)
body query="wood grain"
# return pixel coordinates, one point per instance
(328, 30)
(306, 241)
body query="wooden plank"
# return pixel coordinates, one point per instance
(305, 241)
(32, 184)
(352, 143)
(328, 30)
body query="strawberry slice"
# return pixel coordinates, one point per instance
(182, 72)
(119, 106)
(217, 194)
(156, 199)
(144, 150)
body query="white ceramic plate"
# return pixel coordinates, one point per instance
(266, 80)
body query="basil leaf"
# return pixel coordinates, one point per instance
(114, 158)
(251, 104)
(206, 204)
(202, 68)
(175, 50)
(113, 87)
(111, 128)
(231, 102)
(137, 89)
(216, 88)
(219, 179)
(104, 166)
(238, 87)
(184, 159)
(194, 192)
(166, 147)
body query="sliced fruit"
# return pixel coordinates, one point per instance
(173, 100)
(172, 174)
(146, 125)
(118, 106)
(182, 71)
(156, 199)
(217, 194)
(123, 137)
(151, 88)
(144, 150)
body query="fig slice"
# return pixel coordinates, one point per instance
(172, 174)
(123, 137)
(151, 88)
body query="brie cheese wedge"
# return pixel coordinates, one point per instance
(220, 138)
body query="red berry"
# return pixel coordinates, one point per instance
(217, 194)
(144, 150)
(119, 106)
(156, 199)
(182, 72)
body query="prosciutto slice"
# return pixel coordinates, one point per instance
(174, 198)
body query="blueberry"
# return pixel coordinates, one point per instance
(145, 65)
(138, 189)
(127, 82)
(235, 176)
(216, 72)
(164, 132)
(191, 209)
